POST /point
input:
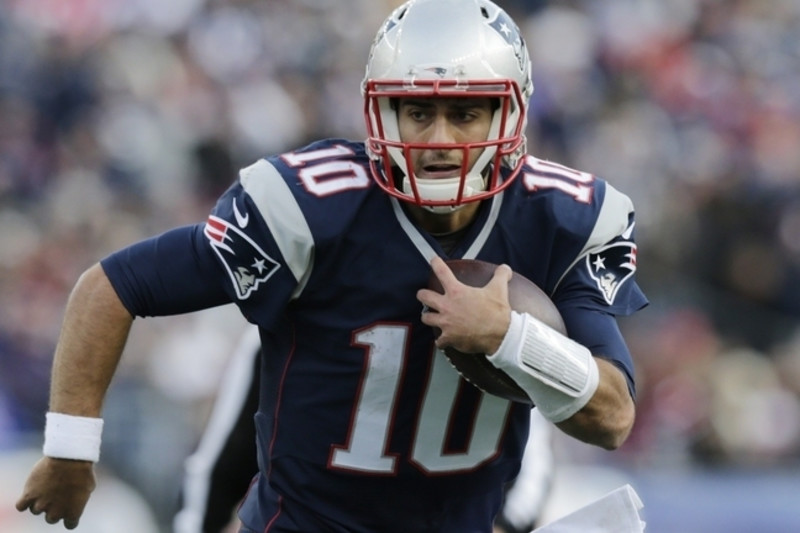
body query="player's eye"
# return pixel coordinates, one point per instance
(418, 114)
(464, 115)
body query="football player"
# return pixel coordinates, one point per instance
(218, 473)
(362, 424)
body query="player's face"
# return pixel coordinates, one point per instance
(446, 121)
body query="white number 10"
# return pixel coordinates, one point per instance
(366, 449)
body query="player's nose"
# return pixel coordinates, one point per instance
(442, 131)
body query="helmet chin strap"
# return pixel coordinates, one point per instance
(445, 189)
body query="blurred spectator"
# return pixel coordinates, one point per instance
(121, 118)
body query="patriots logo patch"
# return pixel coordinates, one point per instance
(610, 266)
(247, 264)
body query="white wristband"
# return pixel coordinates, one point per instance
(558, 374)
(72, 437)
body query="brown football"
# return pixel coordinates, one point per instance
(524, 296)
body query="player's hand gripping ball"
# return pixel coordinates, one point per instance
(523, 296)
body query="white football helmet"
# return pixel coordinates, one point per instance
(447, 48)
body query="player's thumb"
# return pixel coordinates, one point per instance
(501, 278)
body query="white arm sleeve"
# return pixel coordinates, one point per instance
(558, 374)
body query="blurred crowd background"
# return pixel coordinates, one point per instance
(122, 118)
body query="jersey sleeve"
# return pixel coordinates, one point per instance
(169, 274)
(600, 284)
(261, 240)
(255, 249)
(269, 230)
(602, 275)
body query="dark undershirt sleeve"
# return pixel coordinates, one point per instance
(173, 273)
(600, 333)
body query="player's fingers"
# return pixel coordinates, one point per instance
(500, 280)
(428, 299)
(55, 513)
(429, 314)
(443, 272)
(23, 503)
(38, 508)
(502, 275)
(70, 514)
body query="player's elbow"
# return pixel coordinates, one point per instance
(615, 427)
(610, 414)
(607, 428)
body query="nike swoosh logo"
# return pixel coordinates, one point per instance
(629, 231)
(242, 220)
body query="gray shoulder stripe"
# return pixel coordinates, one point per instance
(285, 220)
(483, 236)
(611, 222)
(425, 249)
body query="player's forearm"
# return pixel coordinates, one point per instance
(587, 397)
(93, 334)
(606, 420)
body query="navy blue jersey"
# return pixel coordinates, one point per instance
(362, 425)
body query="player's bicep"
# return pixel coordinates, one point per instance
(169, 274)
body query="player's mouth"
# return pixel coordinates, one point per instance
(440, 170)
